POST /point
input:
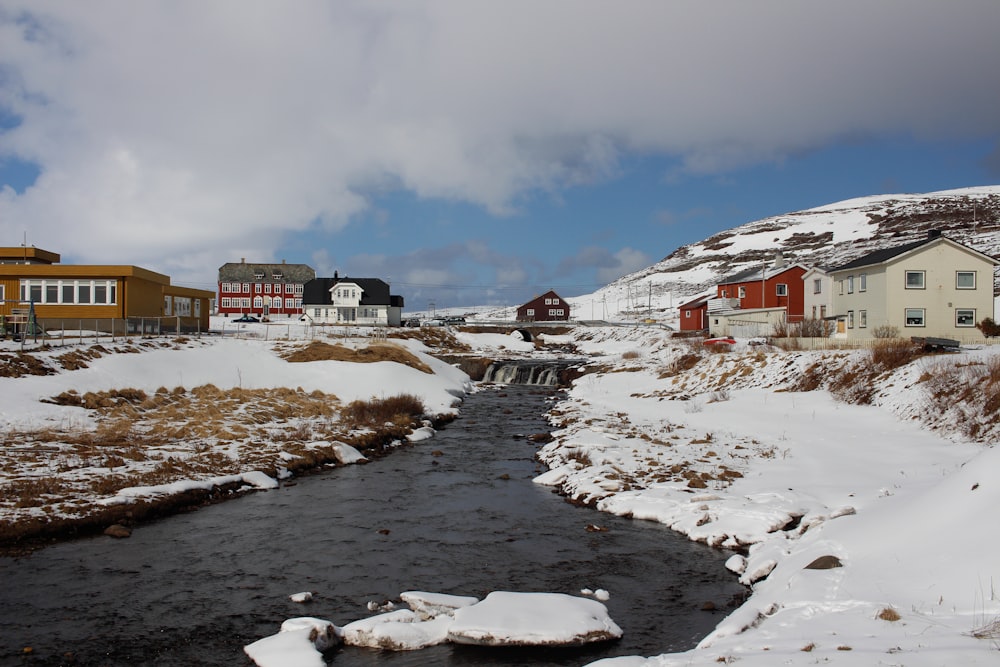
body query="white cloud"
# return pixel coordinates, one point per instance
(165, 129)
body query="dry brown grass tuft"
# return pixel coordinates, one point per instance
(891, 353)
(889, 614)
(401, 410)
(320, 351)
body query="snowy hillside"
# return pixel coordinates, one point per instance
(825, 236)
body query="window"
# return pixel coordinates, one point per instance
(246, 288)
(862, 319)
(298, 303)
(530, 312)
(915, 317)
(289, 289)
(100, 293)
(276, 303)
(52, 293)
(166, 304)
(68, 293)
(267, 288)
(915, 280)
(863, 282)
(277, 275)
(822, 312)
(965, 317)
(258, 302)
(817, 286)
(965, 280)
(258, 275)
(725, 294)
(841, 283)
(226, 302)
(814, 312)
(781, 289)
(548, 302)
(742, 292)
(850, 319)
(687, 314)
(850, 284)
(83, 294)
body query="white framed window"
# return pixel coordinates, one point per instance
(258, 302)
(277, 275)
(226, 302)
(863, 282)
(915, 280)
(548, 302)
(862, 319)
(167, 304)
(258, 274)
(965, 280)
(687, 314)
(742, 292)
(781, 289)
(267, 288)
(530, 312)
(965, 317)
(277, 303)
(817, 286)
(246, 288)
(822, 312)
(850, 284)
(850, 319)
(293, 289)
(916, 317)
(298, 303)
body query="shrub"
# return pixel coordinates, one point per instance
(890, 353)
(989, 328)
(813, 328)
(399, 409)
(885, 331)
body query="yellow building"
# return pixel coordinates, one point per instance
(94, 296)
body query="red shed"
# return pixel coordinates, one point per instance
(694, 314)
(548, 307)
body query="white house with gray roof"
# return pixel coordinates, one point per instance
(935, 287)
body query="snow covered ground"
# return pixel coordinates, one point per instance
(866, 531)
(866, 528)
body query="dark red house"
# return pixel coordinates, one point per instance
(694, 314)
(266, 290)
(777, 286)
(549, 307)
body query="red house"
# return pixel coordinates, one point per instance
(776, 286)
(694, 314)
(266, 290)
(548, 307)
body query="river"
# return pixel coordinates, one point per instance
(455, 514)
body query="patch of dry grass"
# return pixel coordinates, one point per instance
(400, 410)
(320, 351)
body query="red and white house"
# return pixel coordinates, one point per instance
(265, 290)
(549, 307)
(776, 286)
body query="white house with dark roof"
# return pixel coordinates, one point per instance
(935, 287)
(346, 300)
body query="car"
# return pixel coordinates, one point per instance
(722, 340)
(412, 322)
(246, 318)
(454, 319)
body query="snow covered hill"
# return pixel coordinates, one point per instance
(825, 236)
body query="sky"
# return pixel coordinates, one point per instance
(472, 153)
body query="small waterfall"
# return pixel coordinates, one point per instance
(544, 373)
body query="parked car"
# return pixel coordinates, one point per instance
(412, 322)
(246, 318)
(455, 319)
(724, 340)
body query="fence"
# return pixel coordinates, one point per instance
(794, 343)
(79, 331)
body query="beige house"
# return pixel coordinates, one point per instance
(935, 287)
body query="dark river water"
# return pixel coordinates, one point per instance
(455, 514)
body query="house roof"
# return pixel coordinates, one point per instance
(549, 294)
(886, 254)
(374, 291)
(758, 274)
(697, 301)
(243, 272)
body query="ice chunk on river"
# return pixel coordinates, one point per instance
(533, 619)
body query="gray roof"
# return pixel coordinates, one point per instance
(885, 254)
(243, 272)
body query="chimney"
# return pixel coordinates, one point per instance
(933, 234)
(336, 275)
(779, 260)
(243, 260)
